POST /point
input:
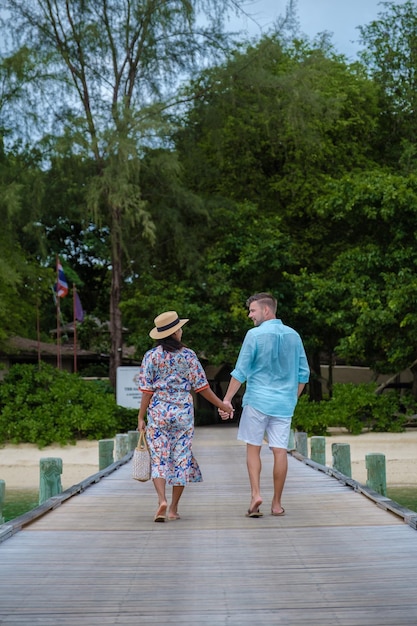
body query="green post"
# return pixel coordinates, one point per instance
(301, 443)
(105, 453)
(377, 479)
(318, 450)
(291, 440)
(2, 499)
(122, 446)
(341, 458)
(133, 436)
(50, 478)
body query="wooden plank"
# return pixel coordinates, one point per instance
(335, 558)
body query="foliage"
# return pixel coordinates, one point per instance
(111, 69)
(234, 267)
(354, 407)
(44, 405)
(127, 419)
(373, 278)
(390, 55)
(273, 122)
(310, 417)
(286, 169)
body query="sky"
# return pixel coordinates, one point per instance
(340, 17)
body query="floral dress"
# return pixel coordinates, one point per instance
(170, 376)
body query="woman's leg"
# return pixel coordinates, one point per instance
(176, 495)
(159, 484)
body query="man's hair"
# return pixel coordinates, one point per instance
(267, 299)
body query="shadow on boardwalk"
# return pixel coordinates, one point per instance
(99, 559)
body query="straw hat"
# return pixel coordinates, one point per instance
(166, 324)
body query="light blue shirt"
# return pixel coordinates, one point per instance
(272, 362)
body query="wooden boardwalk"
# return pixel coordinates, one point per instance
(335, 559)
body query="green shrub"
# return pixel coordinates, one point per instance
(127, 419)
(44, 405)
(353, 407)
(310, 417)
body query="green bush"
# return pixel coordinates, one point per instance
(44, 405)
(354, 407)
(127, 419)
(310, 417)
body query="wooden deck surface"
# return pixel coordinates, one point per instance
(335, 559)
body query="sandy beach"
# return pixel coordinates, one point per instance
(400, 450)
(19, 464)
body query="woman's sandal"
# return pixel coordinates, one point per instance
(278, 514)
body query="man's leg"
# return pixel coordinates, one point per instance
(253, 461)
(279, 476)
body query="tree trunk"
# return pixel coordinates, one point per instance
(330, 378)
(116, 332)
(413, 369)
(314, 386)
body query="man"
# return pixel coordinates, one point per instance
(273, 363)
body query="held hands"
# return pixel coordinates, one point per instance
(141, 425)
(226, 411)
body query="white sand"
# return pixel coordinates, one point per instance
(400, 450)
(19, 464)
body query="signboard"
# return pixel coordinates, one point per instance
(127, 387)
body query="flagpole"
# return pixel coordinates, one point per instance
(38, 332)
(58, 315)
(74, 311)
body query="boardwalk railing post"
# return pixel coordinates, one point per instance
(318, 450)
(122, 446)
(50, 478)
(291, 440)
(341, 458)
(301, 443)
(2, 498)
(377, 480)
(105, 453)
(133, 438)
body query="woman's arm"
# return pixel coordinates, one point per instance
(144, 403)
(209, 395)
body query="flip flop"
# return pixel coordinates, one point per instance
(160, 514)
(254, 513)
(278, 514)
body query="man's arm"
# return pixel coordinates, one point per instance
(300, 389)
(232, 389)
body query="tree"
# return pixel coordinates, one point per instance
(114, 67)
(273, 122)
(374, 268)
(390, 55)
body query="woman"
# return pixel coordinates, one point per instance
(168, 373)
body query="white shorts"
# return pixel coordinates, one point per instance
(254, 425)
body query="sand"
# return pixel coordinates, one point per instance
(19, 464)
(400, 450)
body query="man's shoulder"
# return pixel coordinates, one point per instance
(275, 326)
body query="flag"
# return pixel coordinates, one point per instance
(78, 309)
(61, 286)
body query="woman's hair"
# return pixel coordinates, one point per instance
(170, 344)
